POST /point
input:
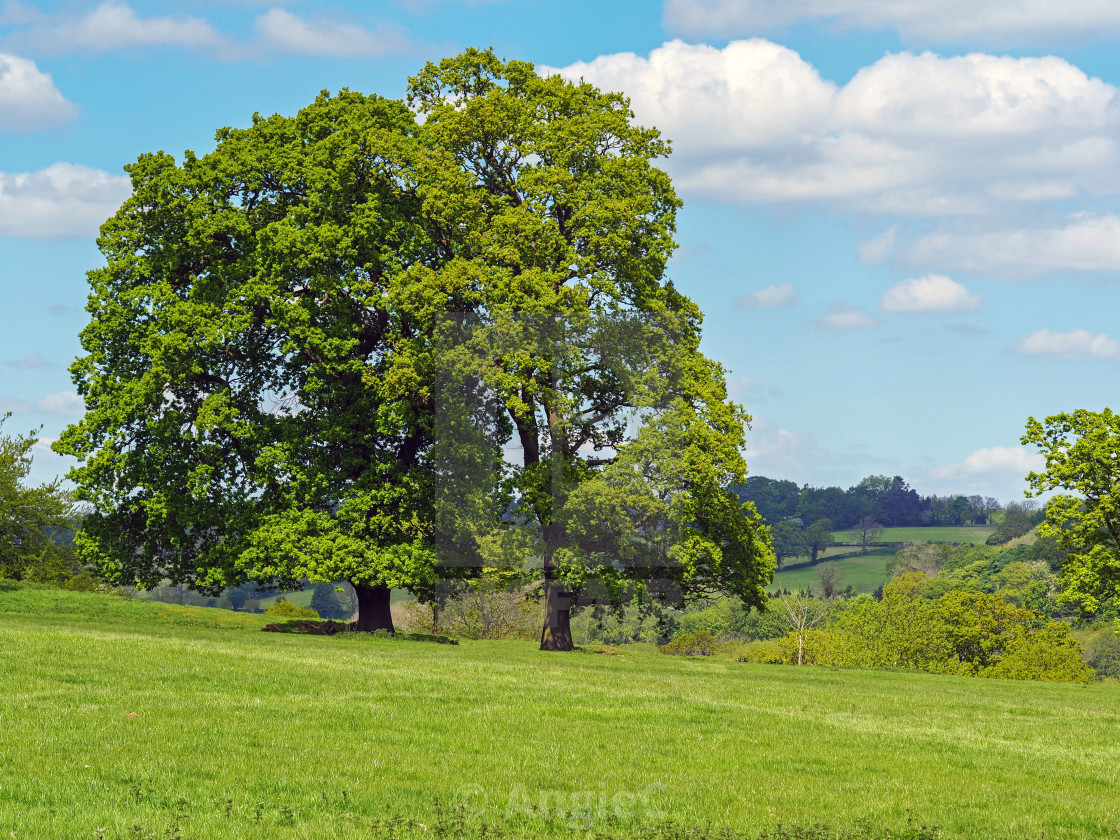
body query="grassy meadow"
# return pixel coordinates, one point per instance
(867, 572)
(864, 572)
(126, 719)
(933, 533)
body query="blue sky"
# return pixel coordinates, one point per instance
(900, 216)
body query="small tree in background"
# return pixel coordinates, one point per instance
(830, 577)
(818, 536)
(867, 531)
(804, 613)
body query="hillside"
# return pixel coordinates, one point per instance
(867, 572)
(119, 714)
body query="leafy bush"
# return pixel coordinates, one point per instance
(715, 619)
(286, 609)
(965, 633)
(480, 610)
(626, 624)
(692, 644)
(1102, 654)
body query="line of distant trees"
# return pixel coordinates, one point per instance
(889, 501)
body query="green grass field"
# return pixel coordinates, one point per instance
(864, 572)
(138, 720)
(934, 533)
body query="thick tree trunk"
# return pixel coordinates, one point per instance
(557, 632)
(373, 608)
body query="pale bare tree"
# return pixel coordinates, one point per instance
(804, 612)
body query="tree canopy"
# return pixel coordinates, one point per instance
(295, 336)
(31, 518)
(1082, 451)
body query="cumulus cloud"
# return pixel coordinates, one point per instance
(843, 316)
(62, 404)
(282, 31)
(916, 135)
(113, 25)
(932, 293)
(1075, 344)
(1086, 243)
(987, 21)
(780, 294)
(29, 101)
(1016, 460)
(63, 200)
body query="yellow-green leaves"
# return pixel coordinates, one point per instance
(1082, 451)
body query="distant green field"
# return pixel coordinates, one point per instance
(125, 719)
(866, 572)
(935, 533)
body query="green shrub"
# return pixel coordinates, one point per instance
(286, 609)
(1102, 654)
(765, 651)
(693, 644)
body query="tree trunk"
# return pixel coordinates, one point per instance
(373, 608)
(557, 632)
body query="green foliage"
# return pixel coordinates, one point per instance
(818, 537)
(255, 406)
(1102, 653)
(966, 633)
(1082, 451)
(35, 522)
(561, 226)
(286, 609)
(1015, 522)
(327, 602)
(702, 643)
(294, 336)
(637, 621)
(788, 540)
(718, 620)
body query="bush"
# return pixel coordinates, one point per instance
(767, 651)
(1102, 654)
(480, 610)
(692, 644)
(286, 609)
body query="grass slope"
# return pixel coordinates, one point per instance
(143, 720)
(864, 572)
(933, 533)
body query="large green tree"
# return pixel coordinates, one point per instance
(257, 387)
(307, 348)
(1082, 451)
(555, 228)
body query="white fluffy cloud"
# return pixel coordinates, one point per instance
(114, 25)
(932, 293)
(1075, 344)
(1016, 460)
(780, 294)
(284, 32)
(843, 316)
(989, 21)
(63, 200)
(910, 135)
(29, 101)
(1086, 243)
